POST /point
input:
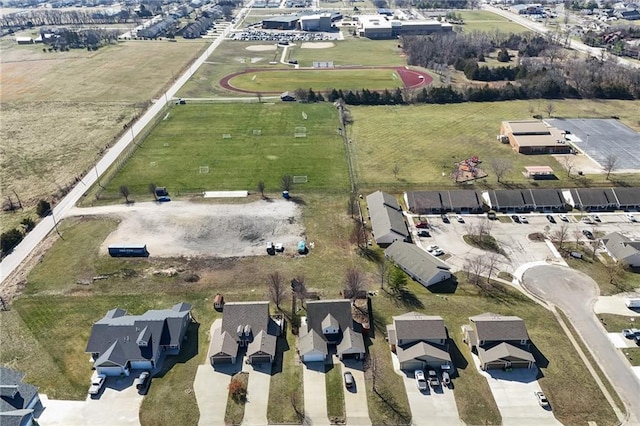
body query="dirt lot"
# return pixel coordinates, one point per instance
(182, 228)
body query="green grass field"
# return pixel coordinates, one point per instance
(354, 51)
(480, 20)
(318, 80)
(192, 136)
(424, 141)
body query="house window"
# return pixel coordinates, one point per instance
(523, 341)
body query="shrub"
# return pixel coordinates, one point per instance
(238, 390)
(10, 239)
(43, 208)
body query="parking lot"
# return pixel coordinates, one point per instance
(281, 36)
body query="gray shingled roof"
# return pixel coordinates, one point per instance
(310, 342)
(419, 201)
(502, 351)
(627, 196)
(317, 311)
(329, 321)
(222, 343)
(416, 326)
(254, 314)
(620, 246)
(387, 220)
(588, 197)
(507, 198)
(461, 199)
(352, 342)
(415, 261)
(262, 343)
(547, 197)
(15, 395)
(492, 327)
(422, 349)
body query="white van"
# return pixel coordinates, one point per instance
(632, 303)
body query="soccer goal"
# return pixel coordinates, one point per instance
(304, 115)
(257, 132)
(204, 169)
(299, 179)
(226, 136)
(300, 132)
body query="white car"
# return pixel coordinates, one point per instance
(523, 219)
(459, 218)
(421, 382)
(437, 252)
(631, 217)
(432, 248)
(596, 218)
(97, 382)
(542, 400)
(563, 217)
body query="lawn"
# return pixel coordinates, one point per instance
(616, 323)
(335, 393)
(192, 136)
(425, 140)
(626, 281)
(353, 51)
(278, 81)
(286, 396)
(480, 20)
(235, 407)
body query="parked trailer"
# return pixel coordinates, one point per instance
(131, 250)
(632, 303)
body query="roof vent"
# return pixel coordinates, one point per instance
(247, 330)
(239, 330)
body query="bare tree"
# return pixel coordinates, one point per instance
(494, 260)
(396, 170)
(568, 164)
(384, 268)
(359, 235)
(610, 164)
(614, 271)
(260, 188)
(124, 191)
(475, 266)
(276, 288)
(561, 235)
(352, 207)
(577, 234)
(549, 108)
(152, 189)
(353, 283)
(500, 167)
(286, 182)
(299, 288)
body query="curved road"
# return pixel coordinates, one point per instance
(575, 293)
(46, 225)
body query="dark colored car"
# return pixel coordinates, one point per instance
(423, 233)
(445, 218)
(588, 234)
(515, 218)
(422, 225)
(551, 218)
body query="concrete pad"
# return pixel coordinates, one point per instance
(431, 407)
(355, 399)
(225, 194)
(255, 410)
(615, 305)
(315, 394)
(59, 412)
(513, 392)
(619, 341)
(636, 371)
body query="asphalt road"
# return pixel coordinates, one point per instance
(575, 293)
(46, 225)
(540, 28)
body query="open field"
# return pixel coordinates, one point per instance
(192, 137)
(319, 80)
(626, 280)
(354, 51)
(424, 141)
(480, 20)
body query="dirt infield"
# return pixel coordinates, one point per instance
(411, 79)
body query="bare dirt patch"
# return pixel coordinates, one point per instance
(317, 45)
(182, 228)
(261, 47)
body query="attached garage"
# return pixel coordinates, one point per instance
(221, 359)
(260, 359)
(313, 357)
(412, 365)
(142, 365)
(112, 371)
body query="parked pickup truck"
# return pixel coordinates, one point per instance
(433, 379)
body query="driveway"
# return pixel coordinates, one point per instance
(433, 407)
(315, 394)
(574, 293)
(255, 410)
(211, 388)
(355, 399)
(118, 403)
(513, 392)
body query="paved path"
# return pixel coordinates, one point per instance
(255, 410)
(575, 292)
(355, 399)
(315, 394)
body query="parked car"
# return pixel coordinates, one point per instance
(491, 215)
(446, 379)
(421, 382)
(523, 219)
(270, 248)
(515, 218)
(563, 217)
(432, 248)
(97, 382)
(587, 219)
(596, 217)
(630, 333)
(422, 225)
(349, 381)
(142, 381)
(437, 252)
(551, 219)
(631, 217)
(588, 234)
(424, 233)
(542, 400)
(433, 379)
(444, 218)
(459, 218)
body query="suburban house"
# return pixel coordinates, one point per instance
(622, 249)
(593, 199)
(627, 198)
(534, 137)
(510, 200)
(387, 221)
(459, 201)
(245, 325)
(418, 264)
(19, 401)
(499, 341)
(419, 341)
(330, 323)
(120, 343)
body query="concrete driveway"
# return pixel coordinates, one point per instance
(574, 293)
(355, 399)
(513, 392)
(315, 394)
(255, 410)
(118, 403)
(431, 407)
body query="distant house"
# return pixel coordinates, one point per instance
(330, 323)
(287, 97)
(120, 343)
(629, 14)
(418, 264)
(510, 200)
(627, 198)
(499, 341)
(419, 341)
(622, 249)
(245, 324)
(387, 220)
(19, 401)
(459, 201)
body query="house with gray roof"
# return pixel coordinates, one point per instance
(622, 249)
(499, 341)
(593, 199)
(419, 341)
(387, 220)
(627, 198)
(429, 202)
(19, 401)
(120, 343)
(510, 200)
(421, 266)
(330, 323)
(245, 325)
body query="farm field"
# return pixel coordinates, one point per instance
(424, 142)
(320, 80)
(192, 137)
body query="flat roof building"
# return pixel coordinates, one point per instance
(534, 137)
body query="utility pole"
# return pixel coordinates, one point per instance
(95, 167)
(55, 224)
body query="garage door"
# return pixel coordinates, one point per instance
(520, 364)
(261, 359)
(111, 371)
(221, 360)
(494, 365)
(141, 365)
(412, 365)
(313, 357)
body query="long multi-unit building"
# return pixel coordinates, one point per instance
(384, 27)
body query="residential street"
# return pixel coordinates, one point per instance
(575, 293)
